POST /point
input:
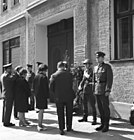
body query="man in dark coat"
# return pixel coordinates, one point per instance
(30, 77)
(103, 79)
(87, 89)
(7, 81)
(61, 85)
(16, 74)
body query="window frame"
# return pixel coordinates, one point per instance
(10, 47)
(117, 16)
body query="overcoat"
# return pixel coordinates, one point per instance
(41, 90)
(22, 92)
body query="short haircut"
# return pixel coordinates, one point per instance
(60, 64)
(42, 67)
(23, 71)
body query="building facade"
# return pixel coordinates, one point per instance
(45, 30)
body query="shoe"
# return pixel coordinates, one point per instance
(83, 120)
(94, 123)
(68, 130)
(22, 123)
(105, 129)
(62, 132)
(28, 123)
(8, 124)
(41, 128)
(99, 128)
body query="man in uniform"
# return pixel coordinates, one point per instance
(7, 81)
(86, 85)
(103, 79)
(30, 77)
(61, 83)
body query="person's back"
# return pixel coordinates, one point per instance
(63, 85)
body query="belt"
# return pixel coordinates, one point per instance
(100, 81)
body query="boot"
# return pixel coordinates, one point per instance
(94, 119)
(94, 122)
(105, 128)
(106, 125)
(101, 126)
(84, 119)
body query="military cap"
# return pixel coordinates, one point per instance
(29, 65)
(87, 61)
(7, 66)
(100, 54)
(38, 63)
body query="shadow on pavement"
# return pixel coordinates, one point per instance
(122, 124)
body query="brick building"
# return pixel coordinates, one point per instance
(44, 30)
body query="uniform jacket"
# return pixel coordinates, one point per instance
(103, 78)
(22, 92)
(61, 83)
(40, 86)
(86, 82)
(7, 82)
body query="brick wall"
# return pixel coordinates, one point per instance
(13, 30)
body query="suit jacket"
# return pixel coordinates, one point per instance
(103, 78)
(61, 83)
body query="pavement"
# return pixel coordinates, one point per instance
(119, 129)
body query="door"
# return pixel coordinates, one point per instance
(60, 41)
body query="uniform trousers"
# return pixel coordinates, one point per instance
(61, 107)
(7, 110)
(103, 106)
(88, 96)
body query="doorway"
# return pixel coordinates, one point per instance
(60, 42)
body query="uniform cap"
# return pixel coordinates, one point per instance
(100, 54)
(29, 65)
(87, 61)
(7, 66)
(38, 63)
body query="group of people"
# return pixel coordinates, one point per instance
(20, 88)
(95, 86)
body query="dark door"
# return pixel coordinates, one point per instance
(60, 41)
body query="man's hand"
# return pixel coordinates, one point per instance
(79, 87)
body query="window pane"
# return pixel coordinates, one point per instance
(123, 5)
(124, 38)
(4, 4)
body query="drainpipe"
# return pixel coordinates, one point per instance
(27, 20)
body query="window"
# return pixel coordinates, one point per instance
(15, 2)
(11, 51)
(124, 29)
(4, 5)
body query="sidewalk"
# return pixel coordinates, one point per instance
(119, 130)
